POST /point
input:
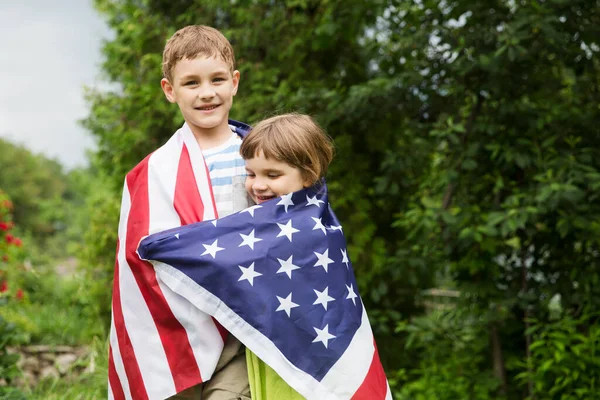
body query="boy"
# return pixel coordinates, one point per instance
(160, 345)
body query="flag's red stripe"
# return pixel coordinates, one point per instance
(178, 350)
(113, 378)
(374, 387)
(222, 331)
(187, 201)
(132, 369)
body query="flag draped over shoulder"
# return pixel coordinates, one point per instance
(278, 277)
(161, 344)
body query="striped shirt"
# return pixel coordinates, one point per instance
(227, 176)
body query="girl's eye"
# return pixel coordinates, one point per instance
(273, 175)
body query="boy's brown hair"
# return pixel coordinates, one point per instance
(193, 41)
(294, 139)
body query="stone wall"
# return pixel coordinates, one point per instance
(52, 362)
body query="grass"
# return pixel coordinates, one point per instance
(56, 311)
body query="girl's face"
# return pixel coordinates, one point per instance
(268, 179)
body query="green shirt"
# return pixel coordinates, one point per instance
(265, 384)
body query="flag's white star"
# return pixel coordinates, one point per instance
(212, 249)
(286, 200)
(248, 274)
(313, 201)
(177, 235)
(323, 335)
(286, 304)
(250, 210)
(287, 266)
(318, 225)
(324, 260)
(214, 222)
(287, 230)
(323, 297)
(351, 294)
(345, 257)
(249, 240)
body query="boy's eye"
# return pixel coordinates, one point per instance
(190, 83)
(218, 79)
(272, 175)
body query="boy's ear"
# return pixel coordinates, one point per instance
(236, 81)
(168, 90)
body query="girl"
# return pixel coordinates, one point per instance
(283, 154)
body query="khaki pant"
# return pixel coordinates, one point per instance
(230, 380)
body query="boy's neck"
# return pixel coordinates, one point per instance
(209, 138)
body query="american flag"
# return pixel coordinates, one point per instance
(160, 344)
(278, 277)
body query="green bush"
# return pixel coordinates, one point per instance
(452, 362)
(565, 362)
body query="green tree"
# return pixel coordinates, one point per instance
(33, 182)
(509, 210)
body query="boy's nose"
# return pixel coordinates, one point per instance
(206, 92)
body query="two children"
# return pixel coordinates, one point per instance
(161, 346)
(277, 274)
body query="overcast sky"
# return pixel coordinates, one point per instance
(51, 50)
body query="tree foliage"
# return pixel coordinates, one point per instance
(467, 153)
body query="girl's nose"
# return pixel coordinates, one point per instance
(259, 184)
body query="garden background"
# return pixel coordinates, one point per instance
(466, 176)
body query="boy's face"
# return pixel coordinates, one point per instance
(268, 178)
(203, 88)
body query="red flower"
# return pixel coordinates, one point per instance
(9, 238)
(3, 226)
(19, 294)
(3, 287)
(17, 242)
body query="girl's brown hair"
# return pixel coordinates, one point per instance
(295, 139)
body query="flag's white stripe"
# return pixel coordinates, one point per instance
(118, 361)
(305, 384)
(145, 340)
(388, 395)
(200, 173)
(355, 362)
(114, 342)
(162, 178)
(110, 394)
(204, 337)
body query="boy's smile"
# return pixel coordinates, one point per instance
(203, 88)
